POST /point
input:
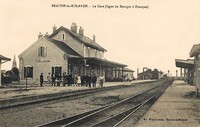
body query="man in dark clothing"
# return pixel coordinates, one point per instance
(82, 80)
(53, 80)
(88, 79)
(41, 79)
(70, 78)
(94, 80)
(64, 78)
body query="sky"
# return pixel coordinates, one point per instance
(151, 37)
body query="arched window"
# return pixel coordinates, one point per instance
(42, 51)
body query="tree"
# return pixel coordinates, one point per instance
(15, 74)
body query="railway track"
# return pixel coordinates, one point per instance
(25, 101)
(111, 114)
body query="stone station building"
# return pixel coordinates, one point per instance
(67, 50)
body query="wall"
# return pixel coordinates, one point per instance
(42, 64)
(78, 46)
(70, 41)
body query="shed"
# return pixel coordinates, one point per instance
(3, 59)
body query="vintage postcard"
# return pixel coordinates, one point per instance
(53, 50)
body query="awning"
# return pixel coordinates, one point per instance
(188, 64)
(3, 59)
(128, 70)
(104, 62)
(98, 61)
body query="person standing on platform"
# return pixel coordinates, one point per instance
(94, 80)
(70, 79)
(59, 79)
(89, 80)
(49, 78)
(53, 80)
(75, 80)
(64, 78)
(78, 80)
(82, 80)
(41, 79)
(101, 78)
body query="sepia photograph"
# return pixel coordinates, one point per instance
(122, 63)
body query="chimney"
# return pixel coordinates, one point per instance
(94, 38)
(54, 28)
(46, 35)
(81, 31)
(40, 35)
(74, 28)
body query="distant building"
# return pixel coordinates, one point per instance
(70, 51)
(128, 74)
(149, 74)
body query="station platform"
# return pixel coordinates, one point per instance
(177, 107)
(20, 91)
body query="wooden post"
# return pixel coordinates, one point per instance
(181, 74)
(0, 73)
(122, 74)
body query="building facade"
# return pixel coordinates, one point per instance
(67, 50)
(195, 53)
(128, 74)
(149, 74)
(187, 70)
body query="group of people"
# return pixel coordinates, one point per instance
(73, 80)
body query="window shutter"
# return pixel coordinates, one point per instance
(52, 73)
(39, 52)
(45, 50)
(24, 72)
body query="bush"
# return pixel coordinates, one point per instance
(5, 79)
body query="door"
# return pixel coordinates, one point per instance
(57, 70)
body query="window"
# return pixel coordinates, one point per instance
(42, 51)
(101, 54)
(95, 51)
(88, 52)
(28, 72)
(63, 37)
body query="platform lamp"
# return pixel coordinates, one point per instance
(168, 73)
(26, 75)
(176, 73)
(86, 65)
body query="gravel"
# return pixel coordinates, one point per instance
(46, 113)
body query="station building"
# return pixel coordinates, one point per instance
(70, 51)
(187, 69)
(3, 59)
(195, 53)
(149, 74)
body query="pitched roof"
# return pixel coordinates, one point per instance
(4, 58)
(195, 50)
(85, 40)
(64, 47)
